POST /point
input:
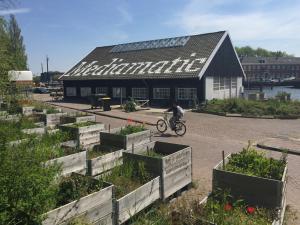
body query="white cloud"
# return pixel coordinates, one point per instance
(259, 21)
(14, 11)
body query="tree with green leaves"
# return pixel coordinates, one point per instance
(260, 52)
(16, 45)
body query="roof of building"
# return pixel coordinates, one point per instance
(269, 60)
(181, 57)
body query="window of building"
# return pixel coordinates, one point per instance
(117, 92)
(222, 83)
(216, 83)
(233, 82)
(85, 91)
(161, 93)
(141, 93)
(71, 91)
(227, 82)
(101, 90)
(186, 93)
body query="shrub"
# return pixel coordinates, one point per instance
(130, 129)
(130, 106)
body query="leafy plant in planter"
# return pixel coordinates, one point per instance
(100, 151)
(75, 187)
(130, 106)
(253, 163)
(82, 124)
(128, 177)
(130, 129)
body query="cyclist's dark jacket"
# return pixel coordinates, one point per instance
(175, 111)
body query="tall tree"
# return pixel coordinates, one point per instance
(260, 52)
(16, 45)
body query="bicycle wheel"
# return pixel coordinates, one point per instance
(161, 126)
(180, 128)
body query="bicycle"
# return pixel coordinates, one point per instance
(163, 124)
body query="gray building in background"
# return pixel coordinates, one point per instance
(271, 68)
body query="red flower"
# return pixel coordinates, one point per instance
(228, 207)
(129, 120)
(250, 210)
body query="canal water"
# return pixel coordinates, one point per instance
(271, 92)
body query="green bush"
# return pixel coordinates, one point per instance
(130, 129)
(130, 106)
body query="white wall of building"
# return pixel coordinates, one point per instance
(20, 75)
(231, 92)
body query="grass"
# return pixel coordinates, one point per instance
(270, 107)
(100, 150)
(131, 129)
(153, 153)
(253, 163)
(27, 123)
(11, 131)
(82, 124)
(127, 177)
(76, 186)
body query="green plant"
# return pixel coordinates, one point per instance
(75, 187)
(79, 221)
(130, 105)
(153, 153)
(128, 177)
(100, 151)
(82, 124)
(251, 162)
(130, 129)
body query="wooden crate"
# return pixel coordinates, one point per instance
(38, 130)
(255, 190)
(136, 201)
(124, 141)
(174, 169)
(85, 136)
(71, 163)
(27, 110)
(77, 119)
(52, 119)
(105, 162)
(96, 207)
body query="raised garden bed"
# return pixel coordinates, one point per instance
(52, 119)
(27, 110)
(37, 130)
(253, 177)
(102, 158)
(219, 210)
(172, 162)
(77, 118)
(134, 190)
(126, 137)
(82, 196)
(86, 133)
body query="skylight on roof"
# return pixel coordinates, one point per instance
(161, 43)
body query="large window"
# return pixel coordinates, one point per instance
(141, 93)
(186, 93)
(161, 93)
(101, 90)
(221, 83)
(117, 92)
(70, 91)
(85, 91)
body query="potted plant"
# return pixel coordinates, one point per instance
(252, 176)
(172, 162)
(81, 195)
(126, 137)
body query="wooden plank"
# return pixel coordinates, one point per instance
(71, 163)
(38, 130)
(96, 205)
(103, 163)
(134, 202)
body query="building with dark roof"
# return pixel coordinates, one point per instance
(271, 68)
(184, 69)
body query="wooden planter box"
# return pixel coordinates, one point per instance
(124, 141)
(105, 162)
(52, 119)
(174, 169)
(278, 221)
(38, 130)
(85, 136)
(135, 201)
(71, 163)
(77, 119)
(96, 207)
(14, 117)
(27, 110)
(254, 190)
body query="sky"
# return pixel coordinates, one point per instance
(68, 30)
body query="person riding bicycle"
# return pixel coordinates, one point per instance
(177, 114)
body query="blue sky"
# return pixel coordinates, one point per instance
(67, 30)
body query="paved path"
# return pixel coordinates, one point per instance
(209, 135)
